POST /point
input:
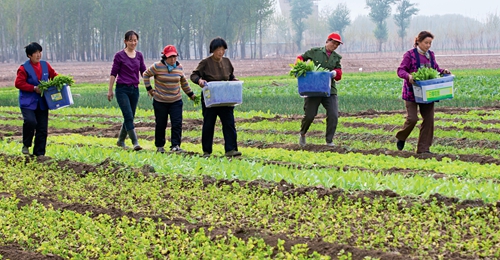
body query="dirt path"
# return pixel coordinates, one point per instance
(98, 72)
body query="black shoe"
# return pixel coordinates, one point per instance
(400, 144)
(426, 152)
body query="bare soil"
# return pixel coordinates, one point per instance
(98, 72)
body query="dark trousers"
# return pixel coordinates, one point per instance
(162, 111)
(311, 105)
(226, 115)
(426, 128)
(36, 123)
(127, 98)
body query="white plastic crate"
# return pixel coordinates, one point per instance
(427, 91)
(223, 93)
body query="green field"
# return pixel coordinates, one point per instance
(362, 199)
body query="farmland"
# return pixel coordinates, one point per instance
(361, 199)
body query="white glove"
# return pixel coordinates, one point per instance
(334, 73)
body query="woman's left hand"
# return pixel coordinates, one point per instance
(446, 71)
(192, 97)
(151, 92)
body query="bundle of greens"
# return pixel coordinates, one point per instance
(58, 81)
(301, 67)
(424, 73)
(197, 100)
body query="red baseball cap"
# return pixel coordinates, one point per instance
(169, 50)
(335, 37)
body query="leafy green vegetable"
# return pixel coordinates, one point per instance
(425, 73)
(58, 81)
(197, 100)
(301, 67)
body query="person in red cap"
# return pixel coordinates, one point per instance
(128, 65)
(327, 58)
(167, 100)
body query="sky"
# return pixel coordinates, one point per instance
(478, 9)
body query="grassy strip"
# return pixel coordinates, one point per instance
(378, 91)
(351, 179)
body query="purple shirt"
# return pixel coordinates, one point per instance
(409, 65)
(127, 70)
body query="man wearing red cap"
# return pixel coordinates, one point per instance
(327, 58)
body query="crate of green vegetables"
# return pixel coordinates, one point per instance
(57, 91)
(430, 86)
(313, 81)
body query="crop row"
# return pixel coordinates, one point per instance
(389, 224)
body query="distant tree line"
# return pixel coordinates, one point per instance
(89, 30)
(93, 30)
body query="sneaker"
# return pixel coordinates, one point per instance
(400, 144)
(137, 147)
(25, 150)
(206, 155)
(160, 150)
(233, 153)
(176, 149)
(302, 140)
(331, 144)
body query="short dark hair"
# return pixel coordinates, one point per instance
(129, 35)
(421, 36)
(216, 43)
(32, 48)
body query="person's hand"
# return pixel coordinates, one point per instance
(151, 92)
(410, 79)
(193, 97)
(334, 73)
(202, 82)
(110, 95)
(446, 71)
(37, 90)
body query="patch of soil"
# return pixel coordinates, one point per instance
(16, 252)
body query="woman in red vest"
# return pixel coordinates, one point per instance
(33, 106)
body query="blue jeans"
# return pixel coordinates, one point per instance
(127, 98)
(162, 110)
(36, 123)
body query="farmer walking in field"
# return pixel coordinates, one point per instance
(419, 56)
(33, 106)
(167, 100)
(216, 67)
(128, 65)
(327, 58)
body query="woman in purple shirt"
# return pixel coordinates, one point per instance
(419, 56)
(128, 65)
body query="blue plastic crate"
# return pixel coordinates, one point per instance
(223, 93)
(428, 91)
(315, 84)
(58, 99)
